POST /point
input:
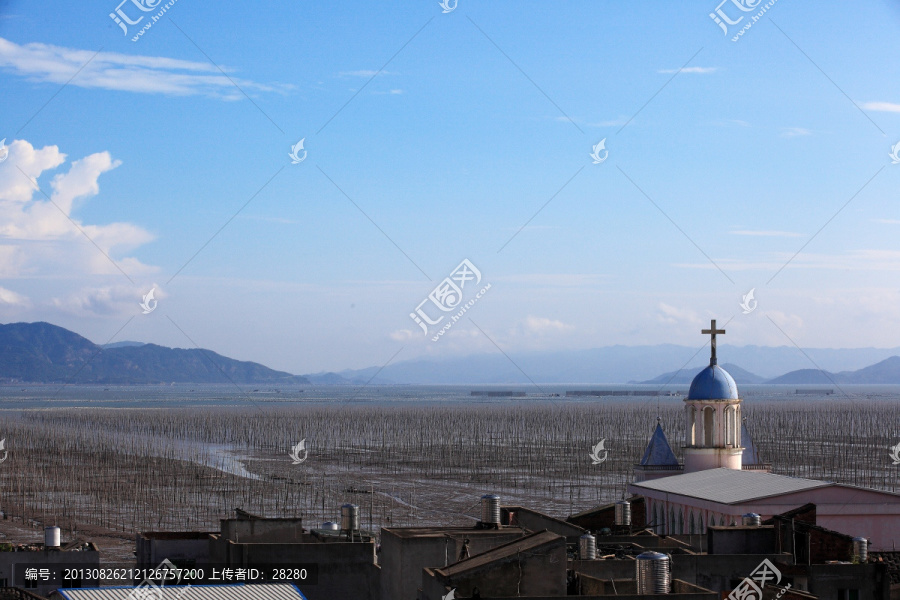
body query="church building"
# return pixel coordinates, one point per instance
(722, 477)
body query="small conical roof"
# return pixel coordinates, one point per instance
(750, 455)
(658, 451)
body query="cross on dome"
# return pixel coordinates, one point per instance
(712, 331)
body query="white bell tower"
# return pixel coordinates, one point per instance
(713, 417)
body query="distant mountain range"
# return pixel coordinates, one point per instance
(635, 364)
(884, 372)
(686, 376)
(45, 353)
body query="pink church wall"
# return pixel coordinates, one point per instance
(853, 511)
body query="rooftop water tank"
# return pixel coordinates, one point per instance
(350, 517)
(860, 549)
(750, 520)
(587, 547)
(652, 573)
(330, 526)
(490, 509)
(51, 537)
(623, 512)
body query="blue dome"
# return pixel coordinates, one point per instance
(713, 383)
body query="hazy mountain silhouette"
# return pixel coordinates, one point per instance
(45, 353)
(686, 376)
(884, 372)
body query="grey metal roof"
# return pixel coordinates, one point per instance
(275, 591)
(729, 486)
(658, 451)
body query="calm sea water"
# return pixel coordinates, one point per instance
(184, 395)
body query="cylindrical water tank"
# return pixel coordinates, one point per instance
(51, 537)
(860, 549)
(490, 509)
(330, 526)
(652, 573)
(623, 512)
(750, 520)
(350, 517)
(587, 547)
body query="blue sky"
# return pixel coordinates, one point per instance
(479, 121)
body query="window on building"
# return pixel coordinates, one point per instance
(680, 521)
(709, 427)
(729, 426)
(692, 426)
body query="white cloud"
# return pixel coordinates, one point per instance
(766, 233)
(543, 326)
(46, 63)
(40, 236)
(676, 316)
(888, 221)
(789, 132)
(699, 70)
(881, 106)
(857, 260)
(117, 299)
(403, 335)
(365, 73)
(9, 297)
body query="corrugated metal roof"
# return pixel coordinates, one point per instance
(729, 486)
(275, 591)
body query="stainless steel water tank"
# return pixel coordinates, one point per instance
(587, 547)
(490, 509)
(51, 537)
(652, 573)
(350, 517)
(623, 512)
(750, 520)
(860, 549)
(330, 526)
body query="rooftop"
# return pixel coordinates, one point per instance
(276, 591)
(729, 486)
(511, 549)
(659, 452)
(439, 532)
(713, 383)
